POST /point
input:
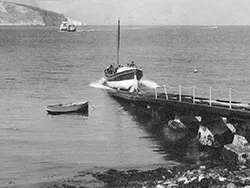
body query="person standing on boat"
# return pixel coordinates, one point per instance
(132, 64)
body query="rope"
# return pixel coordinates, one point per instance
(92, 105)
(142, 90)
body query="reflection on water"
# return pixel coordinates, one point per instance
(176, 135)
(84, 114)
(172, 144)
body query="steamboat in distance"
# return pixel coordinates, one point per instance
(67, 26)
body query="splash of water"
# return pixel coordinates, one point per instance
(150, 84)
(100, 84)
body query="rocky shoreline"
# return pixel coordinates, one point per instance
(209, 175)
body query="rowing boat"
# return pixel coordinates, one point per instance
(67, 108)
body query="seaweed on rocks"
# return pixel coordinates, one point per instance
(115, 178)
(176, 177)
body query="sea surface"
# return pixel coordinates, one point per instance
(41, 66)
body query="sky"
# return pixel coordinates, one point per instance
(150, 12)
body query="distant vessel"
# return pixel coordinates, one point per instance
(122, 77)
(212, 27)
(67, 26)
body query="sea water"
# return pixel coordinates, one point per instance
(41, 66)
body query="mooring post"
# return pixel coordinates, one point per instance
(156, 92)
(193, 94)
(165, 90)
(180, 93)
(230, 98)
(210, 96)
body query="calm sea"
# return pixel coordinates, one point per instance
(41, 66)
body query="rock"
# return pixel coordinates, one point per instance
(200, 177)
(192, 179)
(182, 179)
(240, 141)
(231, 185)
(169, 171)
(159, 186)
(222, 178)
(247, 180)
(242, 167)
(172, 185)
(231, 127)
(167, 182)
(190, 172)
(205, 137)
(68, 186)
(205, 182)
(211, 177)
(176, 124)
(202, 167)
(160, 181)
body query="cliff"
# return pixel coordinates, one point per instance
(17, 14)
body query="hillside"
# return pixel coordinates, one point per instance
(17, 14)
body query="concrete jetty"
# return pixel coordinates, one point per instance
(216, 117)
(187, 104)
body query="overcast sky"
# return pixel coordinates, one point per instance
(151, 12)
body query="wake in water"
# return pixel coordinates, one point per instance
(80, 30)
(112, 29)
(90, 30)
(73, 32)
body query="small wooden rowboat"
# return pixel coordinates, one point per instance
(67, 108)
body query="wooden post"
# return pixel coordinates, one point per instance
(210, 96)
(230, 98)
(193, 95)
(180, 93)
(156, 92)
(165, 90)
